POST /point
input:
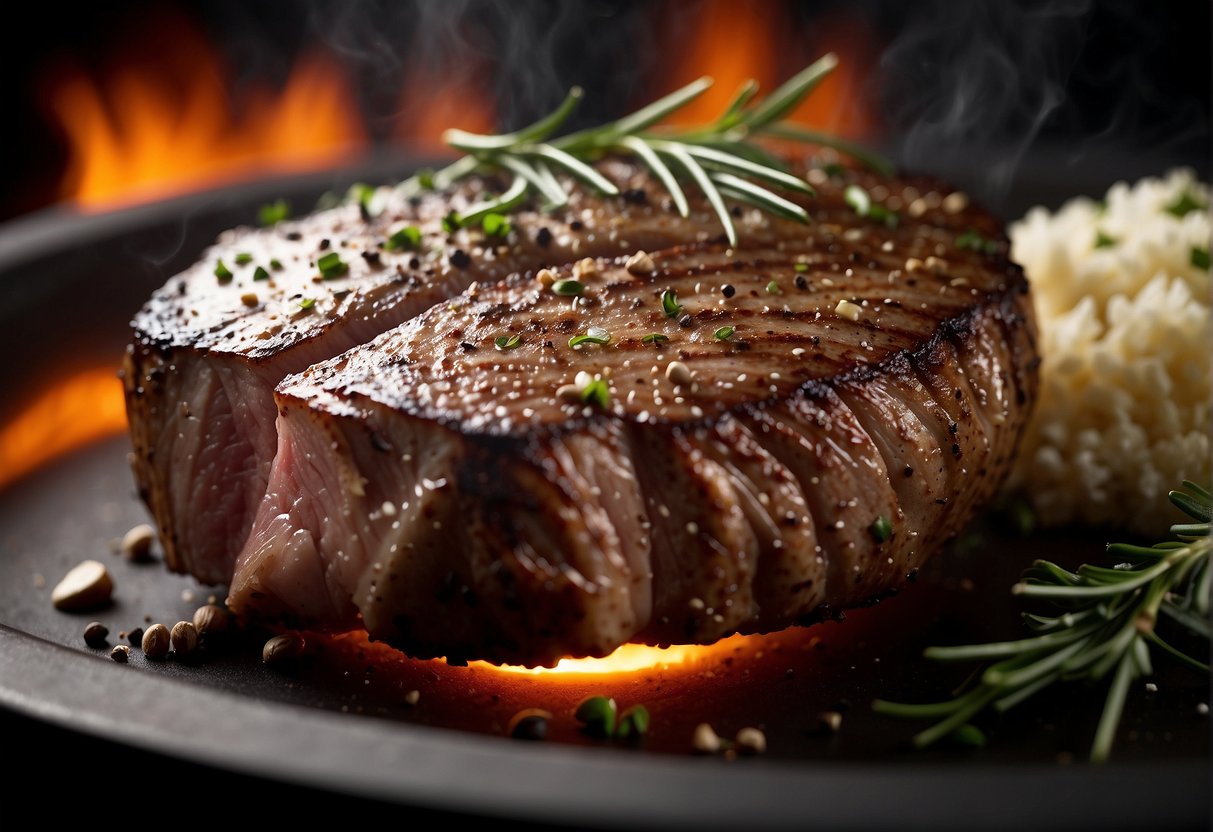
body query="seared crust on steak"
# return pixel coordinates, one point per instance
(207, 352)
(450, 498)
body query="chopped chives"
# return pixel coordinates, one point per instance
(1185, 204)
(223, 272)
(881, 529)
(974, 241)
(507, 342)
(1103, 240)
(773, 288)
(407, 237)
(331, 265)
(495, 225)
(276, 264)
(1199, 257)
(451, 222)
(654, 338)
(801, 267)
(724, 333)
(273, 213)
(260, 274)
(593, 335)
(670, 304)
(243, 258)
(568, 287)
(307, 303)
(597, 393)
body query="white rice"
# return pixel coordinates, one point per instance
(1124, 409)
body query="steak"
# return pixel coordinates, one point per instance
(210, 346)
(751, 436)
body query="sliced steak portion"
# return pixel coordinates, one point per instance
(816, 417)
(210, 346)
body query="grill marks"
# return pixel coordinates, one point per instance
(741, 501)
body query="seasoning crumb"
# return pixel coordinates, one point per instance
(545, 277)
(135, 637)
(187, 595)
(1151, 687)
(120, 653)
(530, 724)
(1202, 708)
(283, 648)
(955, 202)
(848, 310)
(137, 543)
(751, 741)
(250, 299)
(678, 373)
(569, 393)
(640, 264)
(704, 740)
(95, 634)
(87, 586)
(937, 264)
(830, 721)
(412, 698)
(155, 642)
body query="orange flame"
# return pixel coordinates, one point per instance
(150, 131)
(81, 409)
(429, 106)
(733, 44)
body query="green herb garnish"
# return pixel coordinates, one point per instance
(495, 225)
(863, 205)
(243, 258)
(654, 338)
(1185, 204)
(568, 287)
(1199, 257)
(273, 213)
(331, 265)
(634, 722)
(670, 304)
(833, 170)
(801, 267)
(724, 333)
(402, 238)
(223, 272)
(720, 159)
(597, 392)
(974, 241)
(773, 288)
(362, 193)
(1106, 624)
(593, 335)
(507, 342)
(451, 222)
(260, 273)
(597, 714)
(307, 303)
(1103, 240)
(276, 264)
(881, 529)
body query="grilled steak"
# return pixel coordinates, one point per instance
(211, 345)
(823, 406)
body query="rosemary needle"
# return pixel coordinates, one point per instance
(1107, 625)
(719, 159)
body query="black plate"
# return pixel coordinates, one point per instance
(341, 722)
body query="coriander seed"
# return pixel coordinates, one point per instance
(184, 638)
(156, 641)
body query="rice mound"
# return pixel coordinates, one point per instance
(1125, 339)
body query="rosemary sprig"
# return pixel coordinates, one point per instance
(1106, 625)
(719, 159)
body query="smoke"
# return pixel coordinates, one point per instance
(985, 75)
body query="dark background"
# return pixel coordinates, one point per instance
(985, 82)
